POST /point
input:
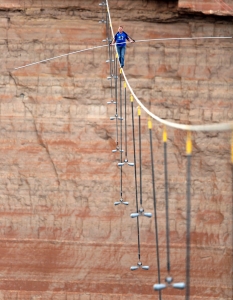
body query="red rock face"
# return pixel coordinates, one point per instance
(209, 7)
(61, 237)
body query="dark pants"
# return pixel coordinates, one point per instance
(121, 53)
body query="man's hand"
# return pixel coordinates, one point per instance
(132, 41)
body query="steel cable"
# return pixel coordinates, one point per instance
(154, 202)
(188, 214)
(166, 198)
(232, 214)
(140, 153)
(126, 149)
(135, 176)
(116, 100)
(121, 134)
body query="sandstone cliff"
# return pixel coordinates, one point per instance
(61, 237)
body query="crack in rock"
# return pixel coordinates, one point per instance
(42, 142)
(39, 137)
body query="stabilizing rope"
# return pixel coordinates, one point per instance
(120, 148)
(139, 264)
(140, 212)
(116, 117)
(232, 214)
(188, 213)
(122, 163)
(166, 197)
(154, 202)
(168, 279)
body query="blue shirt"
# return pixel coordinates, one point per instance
(121, 38)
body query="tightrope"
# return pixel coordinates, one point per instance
(138, 41)
(207, 127)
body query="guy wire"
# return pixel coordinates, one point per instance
(154, 202)
(121, 134)
(140, 153)
(126, 150)
(166, 198)
(188, 214)
(135, 178)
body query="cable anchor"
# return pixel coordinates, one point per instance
(139, 265)
(121, 202)
(111, 102)
(117, 149)
(116, 117)
(169, 279)
(141, 213)
(121, 164)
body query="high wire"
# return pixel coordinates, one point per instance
(209, 127)
(203, 127)
(98, 47)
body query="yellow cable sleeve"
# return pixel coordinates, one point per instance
(125, 85)
(232, 148)
(189, 143)
(149, 123)
(131, 98)
(164, 134)
(139, 111)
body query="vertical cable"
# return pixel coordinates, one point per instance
(140, 152)
(154, 201)
(188, 214)
(116, 98)
(135, 177)
(166, 197)
(232, 216)
(111, 68)
(121, 132)
(126, 153)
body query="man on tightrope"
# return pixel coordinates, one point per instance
(120, 40)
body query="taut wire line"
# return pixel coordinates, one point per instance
(140, 153)
(154, 202)
(185, 38)
(188, 213)
(126, 149)
(166, 198)
(98, 47)
(135, 177)
(232, 214)
(59, 56)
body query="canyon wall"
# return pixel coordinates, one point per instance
(61, 237)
